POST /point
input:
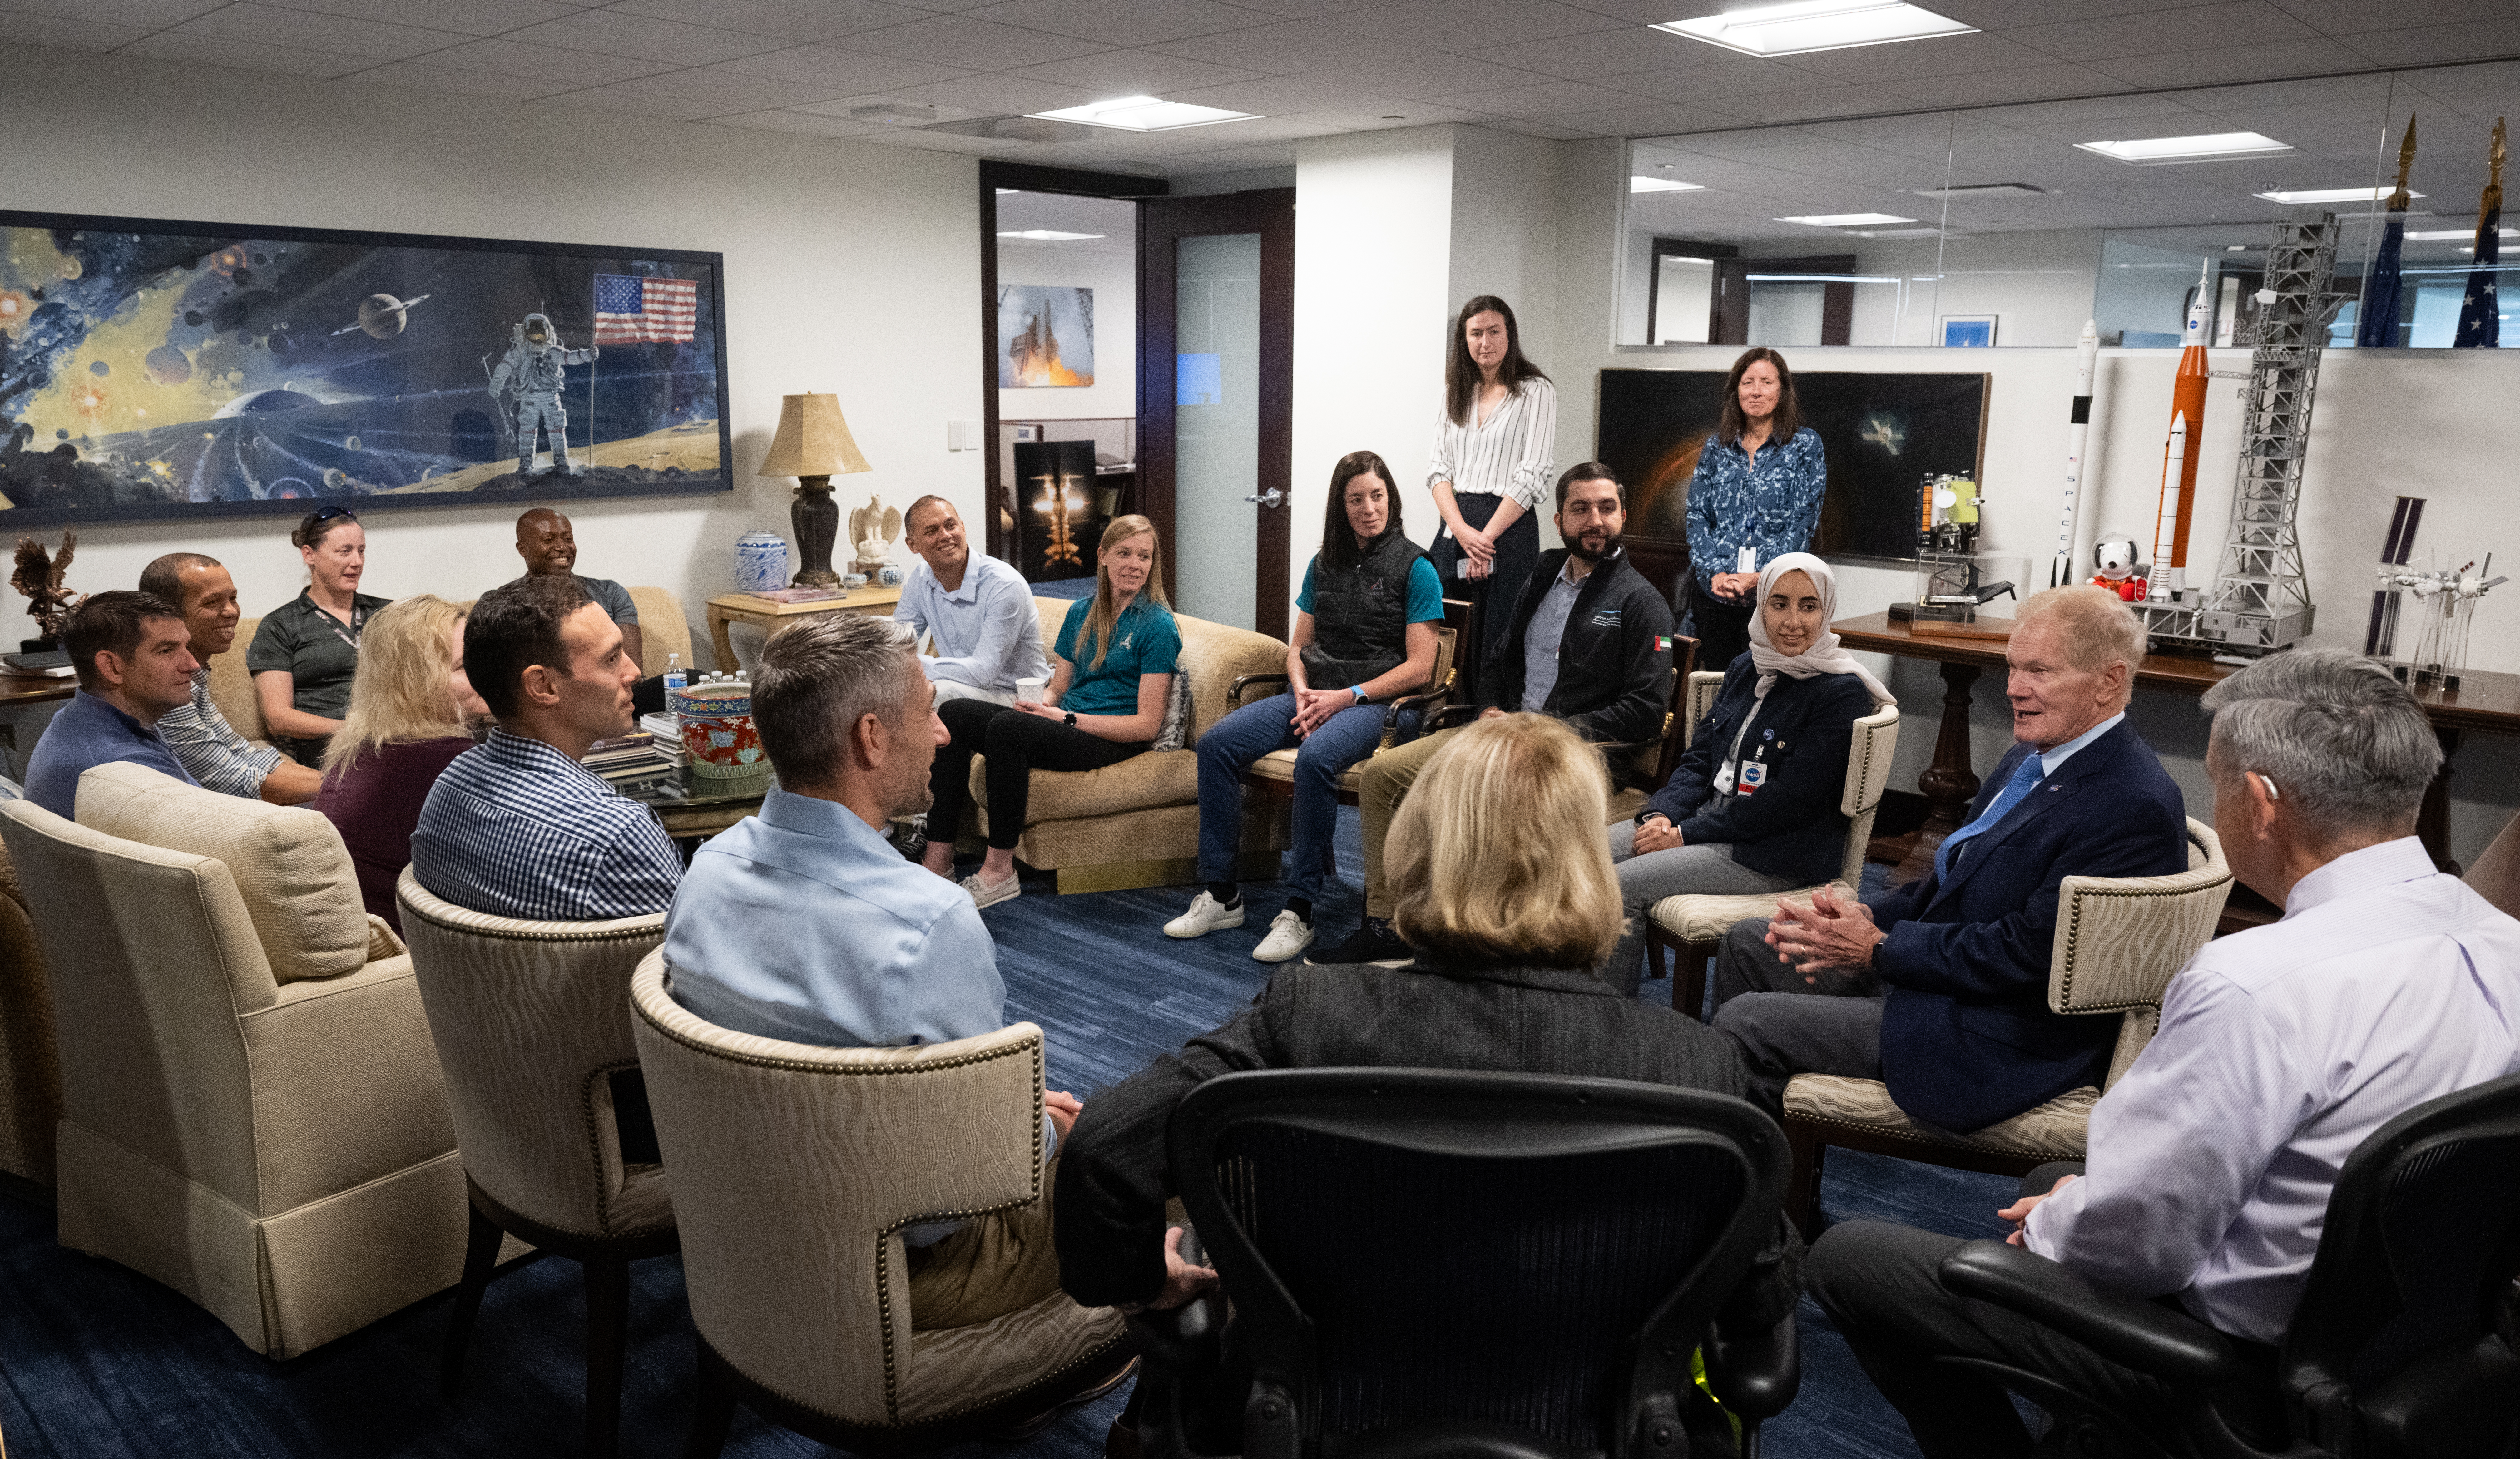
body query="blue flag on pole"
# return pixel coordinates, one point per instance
(2480, 312)
(2376, 328)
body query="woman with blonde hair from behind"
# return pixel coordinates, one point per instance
(410, 703)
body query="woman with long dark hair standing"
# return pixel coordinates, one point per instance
(1754, 498)
(1493, 463)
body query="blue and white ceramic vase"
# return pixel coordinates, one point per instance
(889, 576)
(760, 562)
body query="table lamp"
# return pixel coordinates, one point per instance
(813, 445)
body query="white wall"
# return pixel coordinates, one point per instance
(2038, 285)
(1113, 277)
(849, 267)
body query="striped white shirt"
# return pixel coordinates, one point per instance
(1511, 455)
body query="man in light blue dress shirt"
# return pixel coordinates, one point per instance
(803, 923)
(979, 609)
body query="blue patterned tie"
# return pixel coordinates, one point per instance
(2025, 779)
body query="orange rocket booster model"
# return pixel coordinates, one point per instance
(2180, 455)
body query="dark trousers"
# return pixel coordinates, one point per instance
(1788, 1023)
(1017, 744)
(1722, 628)
(1497, 592)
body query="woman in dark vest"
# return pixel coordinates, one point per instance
(1365, 631)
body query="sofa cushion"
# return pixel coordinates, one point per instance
(288, 862)
(1157, 778)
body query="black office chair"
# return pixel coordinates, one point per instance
(2403, 1346)
(1430, 1263)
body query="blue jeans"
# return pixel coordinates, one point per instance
(1233, 742)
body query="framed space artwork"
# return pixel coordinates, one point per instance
(1045, 335)
(1884, 435)
(162, 369)
(1059, 526)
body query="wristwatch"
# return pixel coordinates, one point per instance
(1360, 693)
(1071, 718)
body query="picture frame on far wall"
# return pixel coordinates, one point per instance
(152, 369)
(1045, 336)
(1968, 330)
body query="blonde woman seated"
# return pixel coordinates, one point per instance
(1752, 807)
(409, 705)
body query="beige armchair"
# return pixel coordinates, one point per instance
(1695, 925)
(251, 1111)
(1136, 824)
(1275, 771)
(797, 1167)
(232, 686)
(531, 1020)
(662, 630)
(2119, 942)
(30, 1076)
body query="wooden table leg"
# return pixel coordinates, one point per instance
(718, 640)
(2432, 822)
(1948, 784)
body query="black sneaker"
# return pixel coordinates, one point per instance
(1373, 942)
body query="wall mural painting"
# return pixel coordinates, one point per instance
(158, 369)
(1884, 434)
(1045, 335)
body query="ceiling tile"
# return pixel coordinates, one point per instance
(1549, 130)
(1248, 157)
(2291, 57)
(1704, 85)
(998, 95)
(342, 34)
(732, 90)
(213, 50)
(1467, 24)
(840, 107)
(1276, 96)
(1388, 115)
(2236, 23)
(1124, 23)
(975, 45)
(145, 14)
(1645, 121)
(1257, 129)
(2349, 16)
(796, 122)
(2012, 14)
(2025, 83)
(422, 76)
(2421, 44)
(940, 142)
(1294, 46)
(635, 103)
(1548, 99)
(1134, 73)
(1312, 10)
(62, 34)
(1604, 53)
(470, 17)
(788, 20)
(834, 65)
(508, 58)
(1427, 77)
(1939, 56)
(1655, 11)
(610, 32)
(1797, 106)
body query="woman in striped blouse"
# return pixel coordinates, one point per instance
(1492, 465)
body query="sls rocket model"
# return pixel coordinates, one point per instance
(2078, 435)
(2180, 455)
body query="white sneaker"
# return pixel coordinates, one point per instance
(1289, 935)
(992, 893)
(1206, 916)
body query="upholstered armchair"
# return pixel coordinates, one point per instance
(1696, 924)
(662, 630)
(531, 1021)
(795, 1169)
(1275, 771)
(1136, 824)
(252, 1113)
(232, 686)
(30, 1076)
(2119, 942)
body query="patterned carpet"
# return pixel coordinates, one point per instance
(99, 1363)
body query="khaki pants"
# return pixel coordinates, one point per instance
(1382, 787)
(997, 1264)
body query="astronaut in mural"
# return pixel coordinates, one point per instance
(532, 370)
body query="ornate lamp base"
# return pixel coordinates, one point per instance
(815, 520)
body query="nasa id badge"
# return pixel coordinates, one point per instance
(1753, 775)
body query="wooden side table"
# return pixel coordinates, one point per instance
(769, 616)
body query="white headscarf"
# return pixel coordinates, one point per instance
(1823, 657)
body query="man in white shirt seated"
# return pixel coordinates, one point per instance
(803, 923)
(979, 609)
(2385, 983)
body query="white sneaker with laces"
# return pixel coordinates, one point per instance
(1206, 916)
(1289, 935)
(990, 894)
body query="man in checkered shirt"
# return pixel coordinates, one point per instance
(515, 827)
(204, 741)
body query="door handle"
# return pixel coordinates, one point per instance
(1270, 498)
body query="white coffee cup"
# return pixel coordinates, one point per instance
(1028, 688)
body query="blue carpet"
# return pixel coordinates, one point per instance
(100, 1364)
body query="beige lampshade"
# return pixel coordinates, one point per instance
(813, 440)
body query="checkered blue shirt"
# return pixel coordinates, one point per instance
(515, 828)
(218, 757)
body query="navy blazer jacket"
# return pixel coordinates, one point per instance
(1968, 1038)
(1791, 827)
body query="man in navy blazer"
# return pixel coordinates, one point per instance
(1943, 982)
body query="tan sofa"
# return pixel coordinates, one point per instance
(30, 1076)
(252, 1108)
(1136, 824)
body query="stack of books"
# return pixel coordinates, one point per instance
(55, 664)
(631, 758)
(667, 727)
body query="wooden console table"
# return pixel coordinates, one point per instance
(2483, 701)
(769, 616)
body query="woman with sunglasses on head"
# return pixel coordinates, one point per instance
(306, 650)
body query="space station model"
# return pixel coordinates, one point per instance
(2446, 599)
(2259, 600)
(531, 370)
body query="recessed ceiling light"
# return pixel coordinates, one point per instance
(1143, 113)
(1967, 191)
(1663, 185)
(2327, 195)
(1847, 220)
(2211, 147)
(1048, 236)
(898, 113)
(1816, 25)
(2464, 235)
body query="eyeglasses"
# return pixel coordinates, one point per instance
(327, 513)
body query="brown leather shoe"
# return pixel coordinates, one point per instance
(1026, 1427)
(1122, 1442)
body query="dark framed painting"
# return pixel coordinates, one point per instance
(153, 368)
(1885, 435)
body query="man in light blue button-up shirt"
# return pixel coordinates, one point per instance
(977, 609)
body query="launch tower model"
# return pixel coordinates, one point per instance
(2260, 600)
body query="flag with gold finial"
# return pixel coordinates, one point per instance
(2378, 326)
(2480, 313)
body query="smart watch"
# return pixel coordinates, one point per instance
(1071, 718)
(1360, 693)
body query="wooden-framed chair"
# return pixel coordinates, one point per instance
(1695, 924)
(1275, 771)
(2119, 942)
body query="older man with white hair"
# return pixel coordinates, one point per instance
(2385, 983)
(1944, 982)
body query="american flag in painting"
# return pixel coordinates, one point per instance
(633, 310)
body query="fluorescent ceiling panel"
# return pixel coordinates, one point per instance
(2211, 147)
(1847, 220)
(1816, 25)
(2295, 197)
(1048, 236)
(1663, 185)
(1144, 113)
(2464, 235)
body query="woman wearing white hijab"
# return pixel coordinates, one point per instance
(1752, 807)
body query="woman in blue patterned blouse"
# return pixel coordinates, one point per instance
(1755, 497)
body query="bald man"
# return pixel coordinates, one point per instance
(549, 545)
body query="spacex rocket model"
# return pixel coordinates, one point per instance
(2180, 455)
(2078, 435)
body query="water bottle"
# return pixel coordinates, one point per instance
(676, 679)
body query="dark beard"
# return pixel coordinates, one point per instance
(1609, 549)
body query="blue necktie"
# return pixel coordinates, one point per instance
(2025, 779)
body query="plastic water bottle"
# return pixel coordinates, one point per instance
(676, 679)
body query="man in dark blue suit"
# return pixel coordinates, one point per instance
(1942, 982)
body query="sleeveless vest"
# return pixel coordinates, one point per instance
(1361, 616)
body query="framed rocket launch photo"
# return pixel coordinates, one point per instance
(1045, 335)
(153, 368)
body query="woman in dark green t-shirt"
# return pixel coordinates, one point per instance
(306, 650)
(1110, 682)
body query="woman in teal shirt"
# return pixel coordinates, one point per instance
(1110, 679)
